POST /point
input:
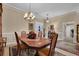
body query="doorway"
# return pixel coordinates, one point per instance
(69, 32)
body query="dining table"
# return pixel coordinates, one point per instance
(36, 44)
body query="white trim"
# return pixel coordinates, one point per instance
(64, 24)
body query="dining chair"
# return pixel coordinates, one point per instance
(23, 34)
(49, 51)
(40, 34)
(20, 47)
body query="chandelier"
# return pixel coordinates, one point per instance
(29, 15)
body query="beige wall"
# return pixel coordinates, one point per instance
(12, 20)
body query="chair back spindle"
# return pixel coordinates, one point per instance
(54, 37)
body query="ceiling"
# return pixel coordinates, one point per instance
(40, 10)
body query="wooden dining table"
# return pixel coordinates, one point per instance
(36, 44)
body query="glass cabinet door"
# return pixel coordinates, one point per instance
(78, 33)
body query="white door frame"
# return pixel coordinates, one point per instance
(64, 27)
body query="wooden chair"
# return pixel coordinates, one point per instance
(23, 34)
(20, 47)
(40, 34)
(49, 51)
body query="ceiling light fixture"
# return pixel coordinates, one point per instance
(47, 19)
(29, 15)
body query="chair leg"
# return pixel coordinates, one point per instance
(25, 51)
(18, 51)
(28, 51)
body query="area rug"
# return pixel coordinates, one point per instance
(13, 52)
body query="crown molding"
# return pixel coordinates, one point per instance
(5, 4)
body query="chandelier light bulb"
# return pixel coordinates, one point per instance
(33, 17)
(25, 15)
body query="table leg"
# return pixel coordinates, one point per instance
(28, 51)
